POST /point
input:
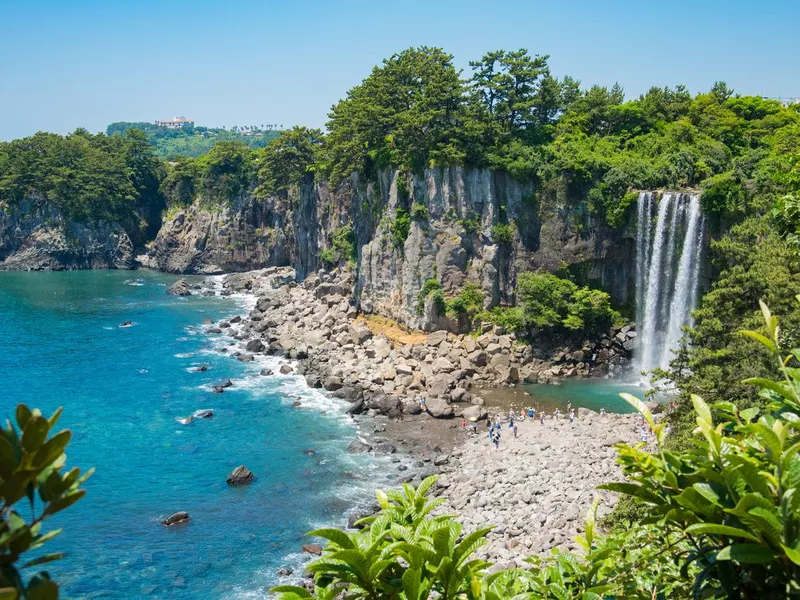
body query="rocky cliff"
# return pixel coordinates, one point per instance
(35, 236)
(452, 235)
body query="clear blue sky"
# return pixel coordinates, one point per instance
(234, 62)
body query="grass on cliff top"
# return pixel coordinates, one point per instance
(392, 329)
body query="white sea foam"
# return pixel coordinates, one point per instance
(134, 282)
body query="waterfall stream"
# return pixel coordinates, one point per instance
(668, 252)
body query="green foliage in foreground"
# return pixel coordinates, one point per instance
(723, 521)
(31, 468)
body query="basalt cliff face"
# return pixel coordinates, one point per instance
(462, 226)
(452, 236)
(35, 236)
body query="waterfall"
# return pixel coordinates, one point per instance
(667, 273)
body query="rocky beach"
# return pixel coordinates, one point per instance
(406, 387)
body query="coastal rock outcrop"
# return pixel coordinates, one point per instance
(241, 475)
(34, 236)
(179, 288)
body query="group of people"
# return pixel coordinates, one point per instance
(494, 427)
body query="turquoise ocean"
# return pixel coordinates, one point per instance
(122, 388)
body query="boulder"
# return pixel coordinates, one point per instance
(176, 519)
(266, 372)
(439, 408)
(442, 365)
(436, 338)
(385, 448)
(179, 288)
(475, 412)
(245, 357)
(286, 369)
(332, 383)
(358, 447)
(241, 475)
(360, 333)
(314, 549)
(203, 413)
(255, 345)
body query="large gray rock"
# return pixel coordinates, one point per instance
(439, 408)
(179, 288)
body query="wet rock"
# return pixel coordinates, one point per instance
(314, 549)
(241, 475)
(286, 369)
(255, 345)
(203, 413)
(385, 448)
(245, 357)
(179, 288)
(177, 518)
(358, 447)
(266, 372)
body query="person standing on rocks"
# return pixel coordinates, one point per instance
(496, 439)
(515, 430)
(541, 417)
(571, 416)
(464, 424)
(602, 412)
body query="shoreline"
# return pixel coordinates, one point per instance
(535, 489)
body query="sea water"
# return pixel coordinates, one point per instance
(62, 344)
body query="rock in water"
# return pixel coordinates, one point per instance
(203, 413)
(266, 372)
(241, 475)
(358, 447)
(184, 420)
(177, 519)
(312, 549)
(179, 288)
(286, 369)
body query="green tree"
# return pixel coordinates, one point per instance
(288, 160)
(408, 113)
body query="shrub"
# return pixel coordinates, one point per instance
(31, 467)
(471, 224)
(419, 212)
(468, 301)
(343, 246)
(431, 286)
(503, 234)
(549, 302)
(400, 227)
(510, 318)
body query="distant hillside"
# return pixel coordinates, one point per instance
(194, 141)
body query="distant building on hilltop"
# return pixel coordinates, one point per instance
(176, 123)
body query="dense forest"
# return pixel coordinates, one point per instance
(194, 140)
(712, 518)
